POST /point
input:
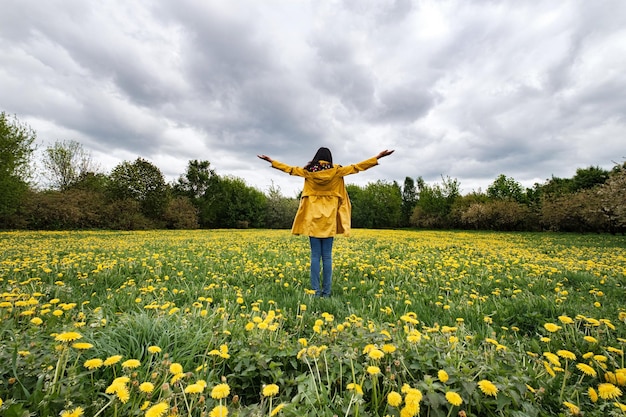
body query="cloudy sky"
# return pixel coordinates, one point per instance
(465, 89)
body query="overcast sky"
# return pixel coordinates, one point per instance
(459, 88)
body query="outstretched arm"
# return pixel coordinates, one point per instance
(265, 158)
(384, 153)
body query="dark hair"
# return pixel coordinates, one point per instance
(322, 154)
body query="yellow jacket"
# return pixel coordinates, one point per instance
(324, 209)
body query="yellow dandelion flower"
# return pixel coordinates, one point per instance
(77, 412)
(194, 388)
(146, 387)
(154, 349)
(388, 348)
(608, 391)
(566, 354)
(157, 410)
(68, 337)
(82, 345)
(355, 387)
(270, 390)
(220, 391)
(454, 398)
(586, 369)
(177, 377)
(549, 369)
(593, 395)
(554, 359)
(443, 376)
(112, 360)
(219, 411)
(573, 408)
(566, 320)
(551, 327)
(590, 339)
(488, 387)
(176, 368)
(131, 364)
(394, 399)
(36, 321)
(373, 370)
(621, 406)
(93, 363)
(375, 354)
(277, 409)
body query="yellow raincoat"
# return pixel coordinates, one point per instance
(325, 209)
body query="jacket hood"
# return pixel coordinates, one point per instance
(323, 176)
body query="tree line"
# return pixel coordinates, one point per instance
(135, 195)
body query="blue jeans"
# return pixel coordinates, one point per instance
(321, 248)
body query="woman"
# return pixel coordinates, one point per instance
(324, 209)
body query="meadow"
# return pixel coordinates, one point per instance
(221, 323)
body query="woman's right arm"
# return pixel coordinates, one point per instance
(283, 167)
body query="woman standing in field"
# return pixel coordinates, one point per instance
(325, 209)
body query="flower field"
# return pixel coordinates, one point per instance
(221, 323)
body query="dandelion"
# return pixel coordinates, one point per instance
(566, 354)
(176, 368)
(93, 363)
(590, 339)
(621, 406)
(154, 349)
(388, 348)
(593, 395)
(454, 398)
(220, 391)
(586, 369)
(355, 387)
(608, 391)
(554, 359)
(146, 387)
(157, 410)
(373, 370)
(394, 399)
(219, 411)
(270, 390)
(277, 409)
(488, 387)
(194, 388)
(112, 360)
(131, 364)
(375, 354)
(68, 337)
(77, 412)
(82, 345)
(551, 327)
(573, 408)
(36, 321)
(566, 320)
(443, 376)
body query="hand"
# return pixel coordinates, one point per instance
(384, 153)
(265, 158)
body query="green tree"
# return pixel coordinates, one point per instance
(143, 182)
(507, 189)
(280, 210)
(409, 200)
(66, 163)
(588, 178)
(434, 203)
(16, 149)
(230, 203)
(196, 180)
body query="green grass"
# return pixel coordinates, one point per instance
(477, 302)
